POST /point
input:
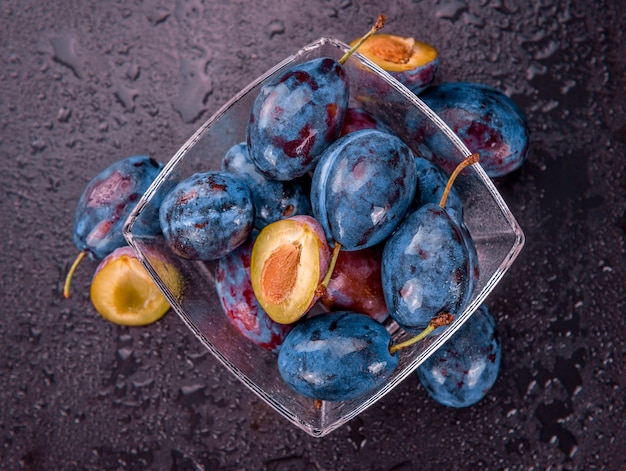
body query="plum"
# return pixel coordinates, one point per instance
(463, 370)
(337, 356)
(272, 199)
(357, 118)
(207, 215)
(356, 284)
(484, 118)
(362, 187)
(431, 184)
(427, 268)
(298, 114)
(105, 203)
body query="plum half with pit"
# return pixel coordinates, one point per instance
(413, 63)
(234, 289)
(290, 259)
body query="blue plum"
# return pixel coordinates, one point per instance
(362, 187)
(296, 116)
(272, 199)
(207, 215)
(106, 202)
(484, 118)
(426, 268)
(466, 367)
(234, 289)
(104, 205)
(299, 113)
(337, 356)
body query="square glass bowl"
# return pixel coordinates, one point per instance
(190, 286)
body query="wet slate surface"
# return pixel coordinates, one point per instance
(83, 85)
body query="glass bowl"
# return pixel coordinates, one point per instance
(189, 285)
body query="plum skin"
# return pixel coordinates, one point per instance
(207, 215)
(463, 370)
(106, 202)
(484, 118)
(362, 187)
(337, 356)
(426, 268)
(356, 285)
(432, 182)
(272, 199)
(296, 116)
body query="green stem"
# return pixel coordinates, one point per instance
(70, 274)
(380, 22)
(469, 160)
(437, 321)
(321, 289)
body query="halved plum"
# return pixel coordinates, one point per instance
(413, 63)
(242, 308)
(123, 292)
(290, 259)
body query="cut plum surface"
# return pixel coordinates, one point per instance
(289, 260)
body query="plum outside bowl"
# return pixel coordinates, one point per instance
(189, 285)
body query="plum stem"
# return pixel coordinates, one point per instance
(469, 160)
(70, 274)
(321, 289)
(380, 22)
(439, 320)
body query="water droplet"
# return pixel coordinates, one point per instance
(195, 90)
(38, 145)
(548, 50)
(331, 12)
(133, 71)
(274, 28)
(126, 96)
(191, 395)
(158, 15)
(450, 9)
(472, 20)
(534, 70)
(124, 353)
(65, 54)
